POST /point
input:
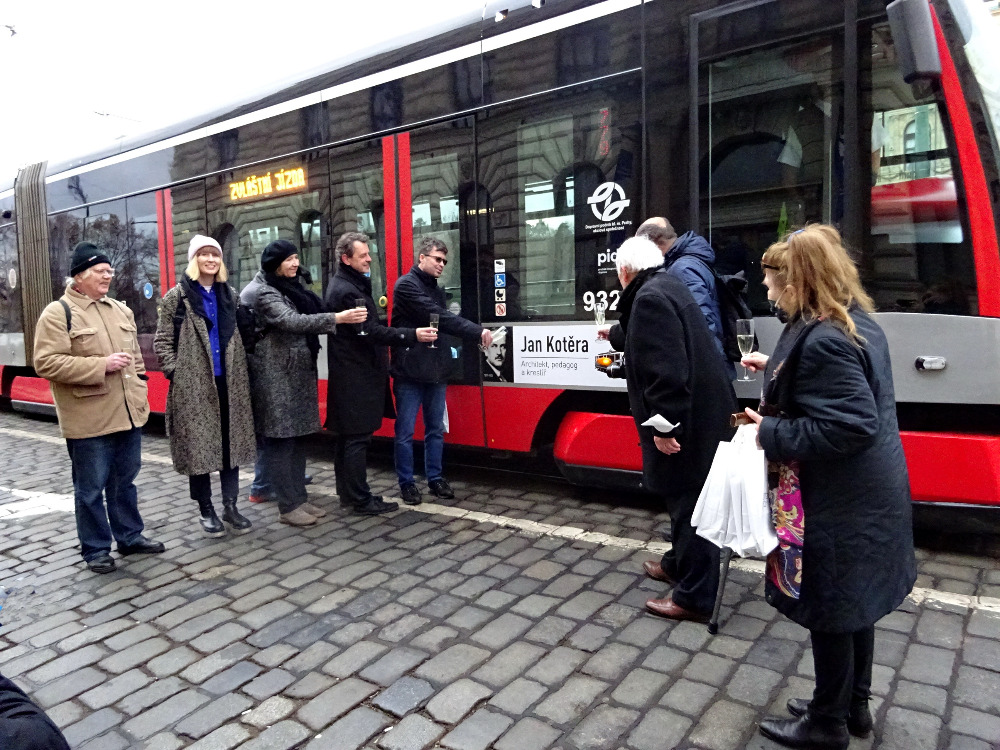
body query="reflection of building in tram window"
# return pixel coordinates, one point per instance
(498, 367)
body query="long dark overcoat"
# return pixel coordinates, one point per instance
(857, 555)
(192, 418)
(673, 369)
(282, 369)
(358, 395)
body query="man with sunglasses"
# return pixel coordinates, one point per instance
(420, 371)
(86, 347)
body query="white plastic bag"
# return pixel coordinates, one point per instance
(733, 509)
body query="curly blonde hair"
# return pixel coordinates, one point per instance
(819, 277)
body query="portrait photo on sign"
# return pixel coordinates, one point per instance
(498, 363)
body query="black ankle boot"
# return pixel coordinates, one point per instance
(807, 733)
(240, 523)
(211, 526)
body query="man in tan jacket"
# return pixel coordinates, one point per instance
(86, 347)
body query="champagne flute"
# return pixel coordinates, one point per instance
(744, 338)
(360, 302)
(435, 318)
(127, 348)
(599, 309)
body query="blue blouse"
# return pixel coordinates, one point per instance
(211, 306)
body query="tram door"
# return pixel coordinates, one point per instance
(401, 188)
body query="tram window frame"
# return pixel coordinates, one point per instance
(11, 317)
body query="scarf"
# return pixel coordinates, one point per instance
(302, 299)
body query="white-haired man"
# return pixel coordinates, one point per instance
(673, 371)
(86, 347)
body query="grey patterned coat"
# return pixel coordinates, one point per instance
(282, 369)
(192, 417)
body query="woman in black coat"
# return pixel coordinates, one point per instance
(840, 492)
(358, 395)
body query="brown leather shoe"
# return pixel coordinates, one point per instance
(667, 608)
(654, 571)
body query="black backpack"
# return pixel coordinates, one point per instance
(732, 293)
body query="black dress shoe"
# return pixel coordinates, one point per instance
(410, 493)
(375, 505)
(441, 488)
(859, 718)
(103, 564)
(142, 546)
(309, 479)
(807, 733)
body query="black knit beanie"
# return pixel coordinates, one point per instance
(85, 255)
(275, 254)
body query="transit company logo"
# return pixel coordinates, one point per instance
(608, 202)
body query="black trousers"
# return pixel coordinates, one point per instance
(843, 665)
(693, 561)
(285, 467)
(350, 462)
(201, 484)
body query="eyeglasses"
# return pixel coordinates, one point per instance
(438, 259)
(109, 274)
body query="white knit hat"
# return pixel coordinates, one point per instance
(198, 242)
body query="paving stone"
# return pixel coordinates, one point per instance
(270, 712)
(584, 605)
(908, 729)
(393, 665)
(984, 623)
(978, 689)
(91, 726)
(151, 695)
(452, 663)
(268, 684)
(928, 664)
(433, 639)
(639, 688)
(163, 741)
(165, 714)
(590, 637)
(413, 733)
(404, 695)
(723, 726)
(611, 662)
(688, 697)
(752, 684)
(981, 725)
(509, 663)
(603, 728)
(212, 663)
(214, 715)
(230, 679)
(962, 742)
(982, 652)
(333, 703)
(659, 729)
(220, 637)
(354, 658)
(282, 736)
(940, 629)
(774, 653)
(222, 738)
(350, 732)
(108, 741)
(502, 631)
(173, 661)
(571, 701)
(551, 630)
(518, 696)
(62, 665)
(666, 659)
(477, 732)
(68, 687)
(456, 700)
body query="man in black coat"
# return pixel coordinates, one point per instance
(23, 725)
(358, 394)
(674, 372)
(420, 372)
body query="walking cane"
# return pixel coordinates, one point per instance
(713, 623)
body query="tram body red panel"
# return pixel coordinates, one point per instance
(953, 468)
(513, 414)
(31, 390)
(604, 441)
(157, 387)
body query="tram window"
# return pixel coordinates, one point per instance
(311, 248)
(65, 231)
(10, 281)
(919, 258)
(768, 151)
(435, 184)
(565, 192)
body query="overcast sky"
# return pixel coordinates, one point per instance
(79, 76)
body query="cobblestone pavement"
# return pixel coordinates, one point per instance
(511, 618)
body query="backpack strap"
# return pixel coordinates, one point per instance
(69, 315)
(179, 314)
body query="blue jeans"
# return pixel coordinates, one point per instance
(104, 470)
(410, 397)
(261, 486)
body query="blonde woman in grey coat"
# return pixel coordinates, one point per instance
(283, 373)
(209, 414)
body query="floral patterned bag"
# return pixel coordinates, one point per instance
(784, 563)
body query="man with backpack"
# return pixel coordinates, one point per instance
(690, 259)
